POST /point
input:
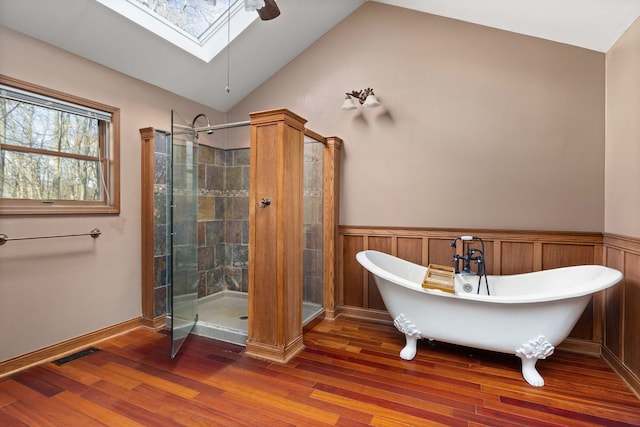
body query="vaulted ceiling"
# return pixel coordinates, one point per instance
(94, 31)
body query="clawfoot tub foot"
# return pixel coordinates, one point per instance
(529, 353)
(530, 373)
(411, 333)
(409, 350)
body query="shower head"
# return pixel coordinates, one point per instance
(193, 123)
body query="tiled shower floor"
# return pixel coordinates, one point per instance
(223, 316)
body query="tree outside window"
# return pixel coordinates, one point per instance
(56, 155)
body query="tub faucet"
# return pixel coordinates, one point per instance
(470, 254)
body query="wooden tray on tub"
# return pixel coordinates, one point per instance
(439, 277)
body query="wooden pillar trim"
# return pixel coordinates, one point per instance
(335, 142)
(537, 256)
(147, 226)
(425, 251)
(365, 276)
(276, 235)
(330, 220)
(497, 257)
(150, 318)
(315, 135)
(281, 115)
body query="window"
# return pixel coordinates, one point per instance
(59, 154)
(202, 28)
(195, 17)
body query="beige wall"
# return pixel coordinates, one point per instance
(54, 290)
(478, 128)
(622, 167)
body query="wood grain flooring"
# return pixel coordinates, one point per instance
(349, 374)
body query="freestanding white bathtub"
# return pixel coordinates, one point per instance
(524, 314)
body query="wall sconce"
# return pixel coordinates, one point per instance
(366, 97)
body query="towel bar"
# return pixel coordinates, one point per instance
(93, 233)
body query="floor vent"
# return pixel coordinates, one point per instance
(74, 356)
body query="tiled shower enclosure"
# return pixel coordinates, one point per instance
(223, 222)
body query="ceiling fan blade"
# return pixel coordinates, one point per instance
(269, 11)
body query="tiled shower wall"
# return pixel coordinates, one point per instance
(223, 221)
(162, 250)
(312, 249)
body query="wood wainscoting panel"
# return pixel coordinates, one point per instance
(353, 275)
(622, 317)
(613, 305)
(516, 257)
(411, 249)
(488, 257)
(372, 296)
(584, 327)
(440, 252)
(556, 255)
(631, 297)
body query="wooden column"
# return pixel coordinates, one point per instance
(331, 215)
(276, 235)
(149, 317)
(148, 314)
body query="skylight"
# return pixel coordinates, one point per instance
(193, 16)
(199, 27)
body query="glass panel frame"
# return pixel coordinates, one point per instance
(183, 233)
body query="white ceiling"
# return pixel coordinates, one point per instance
(591, 24)
(89, 29)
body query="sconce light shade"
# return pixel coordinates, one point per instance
(371, 101)
(253, 5)
(365, 97)
(348, 104)
(269, 11)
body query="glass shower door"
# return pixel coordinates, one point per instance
(313, 256)
(184, 232)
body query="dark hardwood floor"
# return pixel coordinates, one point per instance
(349, 374)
